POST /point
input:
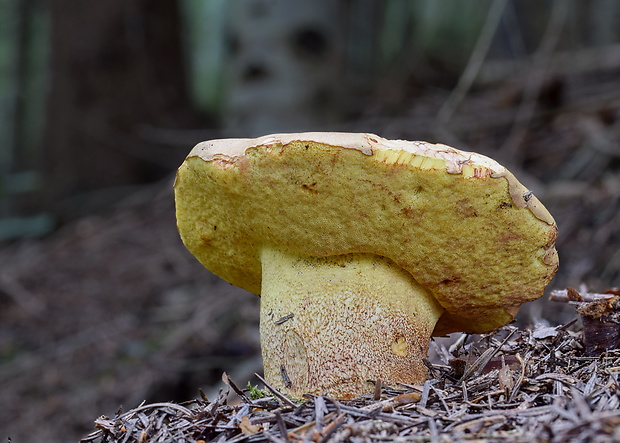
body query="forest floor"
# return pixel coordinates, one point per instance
(509, 386)
(111, 311)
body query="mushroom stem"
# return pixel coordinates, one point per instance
(333, 325)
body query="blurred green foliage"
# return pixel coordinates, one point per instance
(204, 39)
(432, 27)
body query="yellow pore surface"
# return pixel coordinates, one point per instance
(461, 236)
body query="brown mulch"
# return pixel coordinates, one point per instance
(511, 385)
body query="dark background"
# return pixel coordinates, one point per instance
(100, 304)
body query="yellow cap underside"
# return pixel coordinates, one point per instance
(460, 235)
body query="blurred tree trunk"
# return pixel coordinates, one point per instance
(9, 163)
(284, 66)
(117, 75)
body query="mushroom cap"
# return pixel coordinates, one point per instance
(458, 222)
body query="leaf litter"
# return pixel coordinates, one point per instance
(511, 385)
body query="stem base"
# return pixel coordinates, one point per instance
(334, 325)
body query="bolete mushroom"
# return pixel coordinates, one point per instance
(362, 248)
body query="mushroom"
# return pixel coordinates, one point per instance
(362, 248)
